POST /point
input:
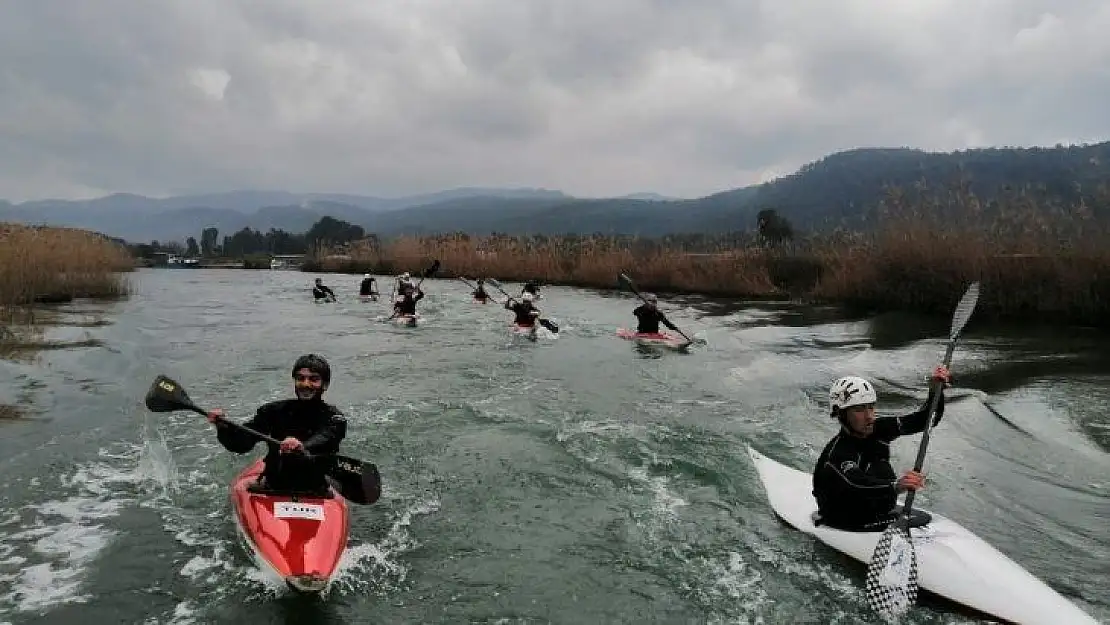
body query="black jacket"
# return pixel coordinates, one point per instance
(853, 481)
(320, 426)
(649, 320)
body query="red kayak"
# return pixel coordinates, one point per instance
(298, 538)
(661, 339)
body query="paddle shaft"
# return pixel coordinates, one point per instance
(938, 388)
(239, 426)
(632, 287)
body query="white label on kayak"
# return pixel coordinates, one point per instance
(294, 510)
(896, 572)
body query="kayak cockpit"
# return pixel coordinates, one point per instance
(918, 518)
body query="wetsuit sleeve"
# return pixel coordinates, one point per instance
(238, 441)
(328, 438)
(890, 428)
(419, 296)
(667, 322)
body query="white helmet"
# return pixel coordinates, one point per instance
(405, 276)
(527, 297)
(850, 391)
(365, 275)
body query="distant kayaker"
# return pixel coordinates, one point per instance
(525, 311)
(531, 286)
(305, 423)
(406, 301)
(855, 486)
(319, 291)
(366, 287)
(404, 281)
(480, 292)
(650, 316)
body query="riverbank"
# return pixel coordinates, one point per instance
(908, 266)
(43, 265)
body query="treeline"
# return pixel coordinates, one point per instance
(325, 234)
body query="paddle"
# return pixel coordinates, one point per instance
(356, 480)
(892, 572)
(425, 275)
(626, 281)
(547, 323)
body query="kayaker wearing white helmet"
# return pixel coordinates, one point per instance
(525, 310)
(366, 287)
(855, 486)
(305, 423)
(404, 281)
(649, 316)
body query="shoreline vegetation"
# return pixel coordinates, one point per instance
(1037, 261)
(47, 265)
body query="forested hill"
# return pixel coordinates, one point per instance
(843, 189)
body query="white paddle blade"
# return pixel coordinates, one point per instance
(892, 573)
(964, 309)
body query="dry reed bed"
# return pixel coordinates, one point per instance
(44, 263)
(908, 265)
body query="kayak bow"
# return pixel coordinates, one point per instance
(298, 539)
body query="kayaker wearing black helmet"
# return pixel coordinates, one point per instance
(649, 316)
(305, 423)
(855, 486)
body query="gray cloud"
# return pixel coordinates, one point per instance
(594, 98)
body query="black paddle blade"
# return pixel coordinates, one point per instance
(430, 271)
(165, 395)
(358, 481)
(892, 572)
(550, 325)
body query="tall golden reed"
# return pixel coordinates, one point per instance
(39, 263)
(1036, 259)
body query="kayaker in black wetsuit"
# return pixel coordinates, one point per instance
(319, 291)
(406, 301)
(855, 486)
(304, 423)
(480, 292)
(526, 312)
(650, 316)
(404, 281)
(366, 287)
(532, 287)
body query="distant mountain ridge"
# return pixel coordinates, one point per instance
(841, 189)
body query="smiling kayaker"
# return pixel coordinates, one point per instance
(649, 316)
(305, 423)
(525, 311)
(855, 486)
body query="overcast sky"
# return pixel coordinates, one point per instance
(597, 97)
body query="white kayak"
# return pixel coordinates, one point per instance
(951, 561)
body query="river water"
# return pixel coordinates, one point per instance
(578, 480)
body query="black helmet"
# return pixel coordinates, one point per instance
(315, 364)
